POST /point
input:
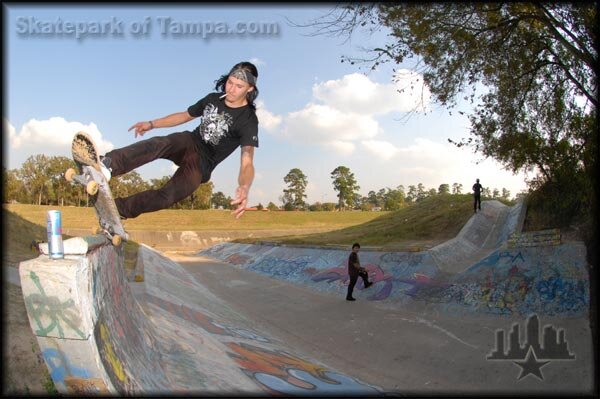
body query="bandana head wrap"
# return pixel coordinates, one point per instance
(246, 76)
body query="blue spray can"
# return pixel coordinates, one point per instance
(54, 229)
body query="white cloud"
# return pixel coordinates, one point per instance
(55, 132)
(322, 124)
(357, 93)
(267, 120)
(10, 129)
(433, 163)
(343, 148)
(342, 113)
(51, 137)
(381, 149)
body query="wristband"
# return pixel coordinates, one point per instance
(151, 124)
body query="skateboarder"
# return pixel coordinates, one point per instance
(227, 121)
(477, 196)
(355, 270)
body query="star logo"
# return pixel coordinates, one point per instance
(531, 366)
(552, 346)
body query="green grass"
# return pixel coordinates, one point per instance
(422, 225)
(419, 226)
(20, 233)
(183, 220)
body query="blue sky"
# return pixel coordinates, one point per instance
(315, 112)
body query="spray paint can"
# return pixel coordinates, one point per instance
(54, 229)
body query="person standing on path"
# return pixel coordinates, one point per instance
(355, 270)
(477, 196)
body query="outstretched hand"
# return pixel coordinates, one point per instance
(140, 128)
(241, 200)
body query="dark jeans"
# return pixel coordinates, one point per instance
(477, 202)
(354, 279)
(177, 147)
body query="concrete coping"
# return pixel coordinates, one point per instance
(78, 245)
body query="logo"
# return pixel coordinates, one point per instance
(532, 356)
(214, 125)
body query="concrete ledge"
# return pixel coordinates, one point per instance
(89, 327)
(78, 245)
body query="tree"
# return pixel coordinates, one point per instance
(219, 201)
(528, 69)
(505, 194)
(14, 189)
(132, 183)
(411, 196)
(373, 199)
(533, 62)
(444, 189)
(394, 200)
(328, 206)
(61, 188)
(421, 193)
(272, 207)
(33, 174)
(346, 186)
(295, 193)
(457, 188)
(200, 198)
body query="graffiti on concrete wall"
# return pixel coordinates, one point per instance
(339, 275)
(282, 373)
(549, 280)
(86, 386)
(506, 283)
(123, 338)
(60, 367)
(204, 321)
(58, 315)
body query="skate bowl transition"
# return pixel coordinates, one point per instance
(102, 334)
(487, 268)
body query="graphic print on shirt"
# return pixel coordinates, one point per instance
(214, 125)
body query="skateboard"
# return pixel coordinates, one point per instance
(87, 159)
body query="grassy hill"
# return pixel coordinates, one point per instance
(419, 226)
(201, 220)
(422, 225)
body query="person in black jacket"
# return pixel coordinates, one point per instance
(355, 270)
(477, 196)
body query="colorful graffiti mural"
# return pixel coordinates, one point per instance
(282, 373)
(202, 320)
(547, 280)
(60, 366)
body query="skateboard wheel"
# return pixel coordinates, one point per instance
(92, 188)
(116, 240)
(69, 174)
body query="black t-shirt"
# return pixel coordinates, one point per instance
(222, 129)
(477, 189)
